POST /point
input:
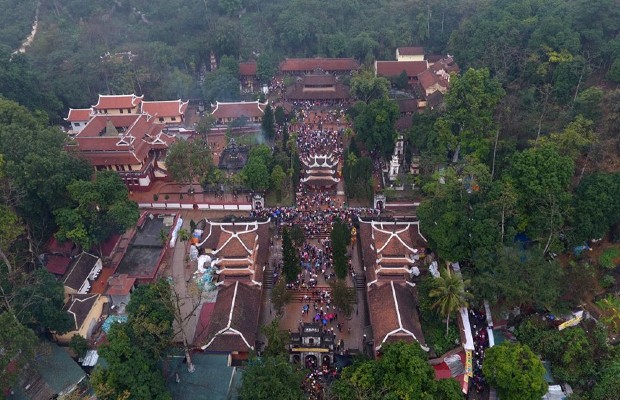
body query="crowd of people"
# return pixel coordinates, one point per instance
(481, 342)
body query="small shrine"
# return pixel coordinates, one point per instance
(313, 345)
(234, 157)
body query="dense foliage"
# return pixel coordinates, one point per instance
(402, 372)
(134, 349)
(271, 378)
(515, 371)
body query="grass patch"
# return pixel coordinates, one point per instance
(608, 257)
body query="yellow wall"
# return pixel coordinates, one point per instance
(93, 316)
(114, 111)
(410, 58)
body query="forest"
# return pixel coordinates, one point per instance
(520, 165)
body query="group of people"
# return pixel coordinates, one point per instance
(481, 342)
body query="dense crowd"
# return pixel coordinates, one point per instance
(481, 342)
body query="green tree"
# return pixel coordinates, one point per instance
(79, 346)
(18, 344)
(515, 372)
(291, 267)
(256, 174)
(280, 116)
(278, 177)
(221, 85)
(189, 162)
(595, 208)
(230, 65)
(449, 294)
(269, 378)
(340, 237)
(131, 372)
(277, 339)
(280, 296)
(99, 208)
(268, 123)
(402, 372)
(266, 67)
(608, 386)
(343, 296)
(374, 124)
(575, 140)
(541, 177)
(467, 124)
(366, 87)
(519, 278)
(10, 229)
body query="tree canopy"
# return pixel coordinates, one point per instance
(189, 161)
(402, 372)
(99, 208)
(271, 378)
(515, 371)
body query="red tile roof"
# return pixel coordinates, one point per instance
(172, 108)
(326, 64)
(238, 109)
(107, 102)
(428, 79)
(234, 323)
(247, 68)
(411, 51)
(393, 314)
(54, 246)
(57, 264)
(120, 285)
(395, 68)
(78, 114)
(203, 322)
(137, 135)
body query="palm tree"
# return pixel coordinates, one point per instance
(449, 292)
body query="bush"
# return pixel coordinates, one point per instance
(607, 281)
(608, 256)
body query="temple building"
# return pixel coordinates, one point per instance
(133, 145)
(238, 250)
(410, 54)
(166, 112)
(247, 111)
(318, 86)
(302, 66)
(393, 69)
(320, 171)
(233, 324)
(313, 345)
(392, 254)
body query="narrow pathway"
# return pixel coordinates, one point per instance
(30, 38)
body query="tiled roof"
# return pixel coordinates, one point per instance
(325, 64)
(78, 114)
(172, 108)
(79, 270)
(428, 79)
(395, 68)
(407, 105)
(57, 264)
(411, 51)
(403, 123)
(247, 68)
(234, 323)
(120, 285)
(300, 91)
(117, 101)
(135, 136)
(239, 109)
(79, 305)
(393, 314)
